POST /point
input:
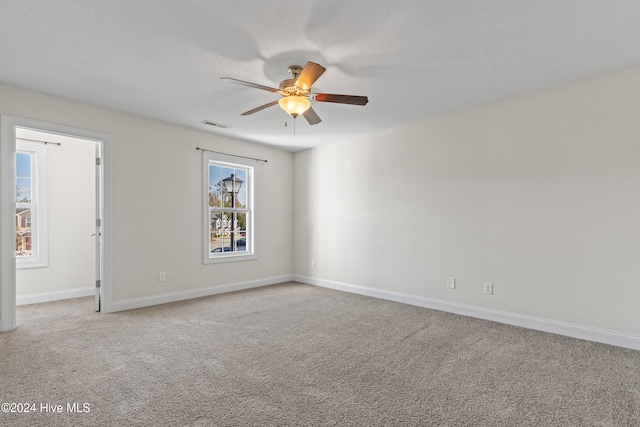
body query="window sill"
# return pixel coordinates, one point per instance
(230, 258)
(30, 264)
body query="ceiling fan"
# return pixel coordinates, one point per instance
(296, 93)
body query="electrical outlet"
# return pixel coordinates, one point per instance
(488, 288)
(162, 276)
(451, 282)
(313, 264)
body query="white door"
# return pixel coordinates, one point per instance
(98, 231)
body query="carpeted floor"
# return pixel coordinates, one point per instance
(292, 354)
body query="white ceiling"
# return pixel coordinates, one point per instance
(413, 58)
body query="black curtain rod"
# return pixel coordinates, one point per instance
(234, 155)
(44, 142)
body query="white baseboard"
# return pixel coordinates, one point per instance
(130, 304)
(54, 295)
(530, 322)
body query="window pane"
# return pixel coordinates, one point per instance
(241, 199)
(220, 232)
(227, 186)
(240, 236)
(215, 175)
(227, 232)
(23, 232)
(241, 179)
(23, 177)
(239, 187)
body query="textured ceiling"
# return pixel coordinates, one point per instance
(413, 59)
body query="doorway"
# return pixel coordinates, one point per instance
(52, 224)
(56, 211)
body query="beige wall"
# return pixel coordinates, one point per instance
(157, 197)
(537, 194)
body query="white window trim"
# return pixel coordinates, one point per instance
(251, 252)
(39, 234)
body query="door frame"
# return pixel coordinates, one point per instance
(8, 125)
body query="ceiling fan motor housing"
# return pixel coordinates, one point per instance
(288, 87)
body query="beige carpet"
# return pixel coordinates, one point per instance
(294, 354)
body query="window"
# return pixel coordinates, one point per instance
(31, 205)
(229, 212)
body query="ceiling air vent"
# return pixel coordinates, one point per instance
(214, 124)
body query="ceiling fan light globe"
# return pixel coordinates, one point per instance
(294, 105)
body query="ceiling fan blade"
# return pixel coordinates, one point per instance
(310, 73)
(342, 99)
(249, 84)
(311, 116)
(262, 107)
